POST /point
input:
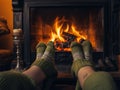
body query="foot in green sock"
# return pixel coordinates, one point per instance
(40, 49)
(49, 52)
(77, 54)
(77, 51)
(87, 49)
(79, 61)
(46, 61)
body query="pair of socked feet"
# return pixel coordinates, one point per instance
(43, 71)
(81, 52)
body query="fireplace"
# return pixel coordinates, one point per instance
(63, 22)
(66, 24)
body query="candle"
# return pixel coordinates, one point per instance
(17, 32)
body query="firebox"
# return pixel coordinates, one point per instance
(66, 24)
(63, 22)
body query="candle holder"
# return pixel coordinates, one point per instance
(18, 39)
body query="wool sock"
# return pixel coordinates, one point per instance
(49, 52)
(87, 49)
(77, 51)
(46, 61)
(40, 49)
(79, 60)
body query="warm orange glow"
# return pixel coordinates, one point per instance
(63, 31)
(6, 12)
(80, 35)
(61, 28)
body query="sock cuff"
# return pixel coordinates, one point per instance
(47, 67)
(78, 64)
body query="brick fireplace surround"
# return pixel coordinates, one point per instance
(21, 9)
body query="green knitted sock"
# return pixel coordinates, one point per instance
(77, 51)
(87, 48)
(49, 52)
(40, 48)
(78, 57)
(79, 61)
(45, 63)
(78, 64)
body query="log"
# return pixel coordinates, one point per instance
(68, 36)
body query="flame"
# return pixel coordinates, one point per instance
(78, 34)
(65, 30)
(63, 26)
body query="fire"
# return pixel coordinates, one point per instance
(66, 29)
(64, 32)
(57, 30)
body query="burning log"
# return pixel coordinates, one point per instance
(68, 37)
(64, 44)
(61, 45)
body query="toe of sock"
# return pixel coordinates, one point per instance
(73, 44)
(50, 43)
(40, 44)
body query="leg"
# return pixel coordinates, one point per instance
(43, 68)
(79, 61)
(84, 71)
(34, 71)
(99, 81)
(21, 81)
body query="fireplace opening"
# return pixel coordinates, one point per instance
(66, 24)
